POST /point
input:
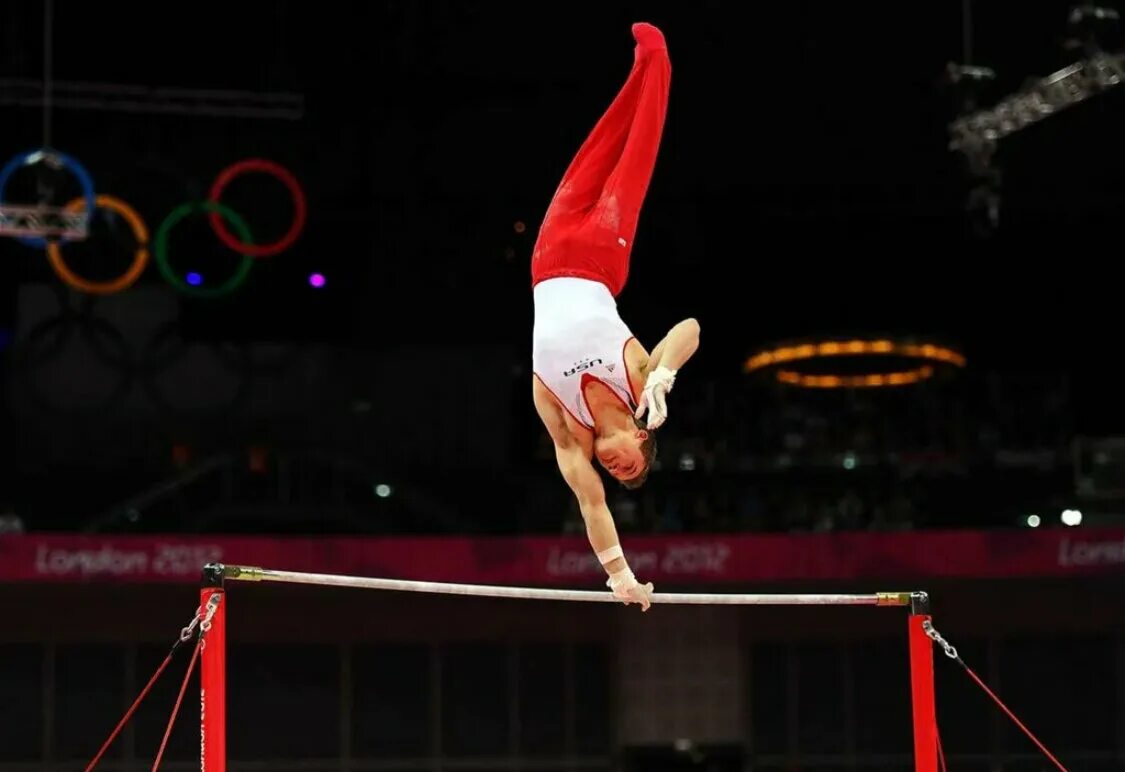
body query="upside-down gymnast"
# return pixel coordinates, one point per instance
(588, 367)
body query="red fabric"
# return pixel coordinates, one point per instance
(589, 227)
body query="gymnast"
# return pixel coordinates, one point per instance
(588, 367)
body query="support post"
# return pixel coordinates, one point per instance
(213, 677)
(922, 686)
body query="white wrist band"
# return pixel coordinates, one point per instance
(621, 580)
(662, 374)
(611, 554)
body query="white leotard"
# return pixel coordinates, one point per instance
(578, 335)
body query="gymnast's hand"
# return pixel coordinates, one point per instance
(640, 593)
(654, 398)
(628, 590)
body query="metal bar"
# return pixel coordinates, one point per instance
(254, 574)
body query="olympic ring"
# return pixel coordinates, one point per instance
(125, 280)
(67, 162)
(161, 249)
(286, 177)
(241, 243)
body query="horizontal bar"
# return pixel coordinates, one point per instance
(254, 574)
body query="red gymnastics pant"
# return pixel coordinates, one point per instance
(589, 227)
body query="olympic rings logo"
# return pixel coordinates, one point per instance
(223, 221)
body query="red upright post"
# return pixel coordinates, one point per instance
(922, 687)
(213, 678)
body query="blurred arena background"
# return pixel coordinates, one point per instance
(360, 402)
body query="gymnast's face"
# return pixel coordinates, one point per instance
(621, 454)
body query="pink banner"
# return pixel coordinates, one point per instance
(563, 561)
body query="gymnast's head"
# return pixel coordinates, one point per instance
(627, 453)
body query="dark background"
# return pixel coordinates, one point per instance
(804, 189)
(804, 184)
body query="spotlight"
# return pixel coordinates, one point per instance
(194, 279)
(382, 490)
(1033, 521)
(1071, 517)
(317, 280)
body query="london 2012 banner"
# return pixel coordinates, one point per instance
(565, 561)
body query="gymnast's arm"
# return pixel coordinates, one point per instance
(583, 479)
(587, 486)
(676, 348)
(660, 371)
(579, 474)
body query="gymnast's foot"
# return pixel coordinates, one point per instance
(648, 38)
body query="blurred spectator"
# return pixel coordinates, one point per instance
(739, 455)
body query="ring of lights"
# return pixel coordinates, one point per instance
(927, 356)
(66, 162)
(160, 249)
(300, 209)
(221, 217)
(140, 256)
